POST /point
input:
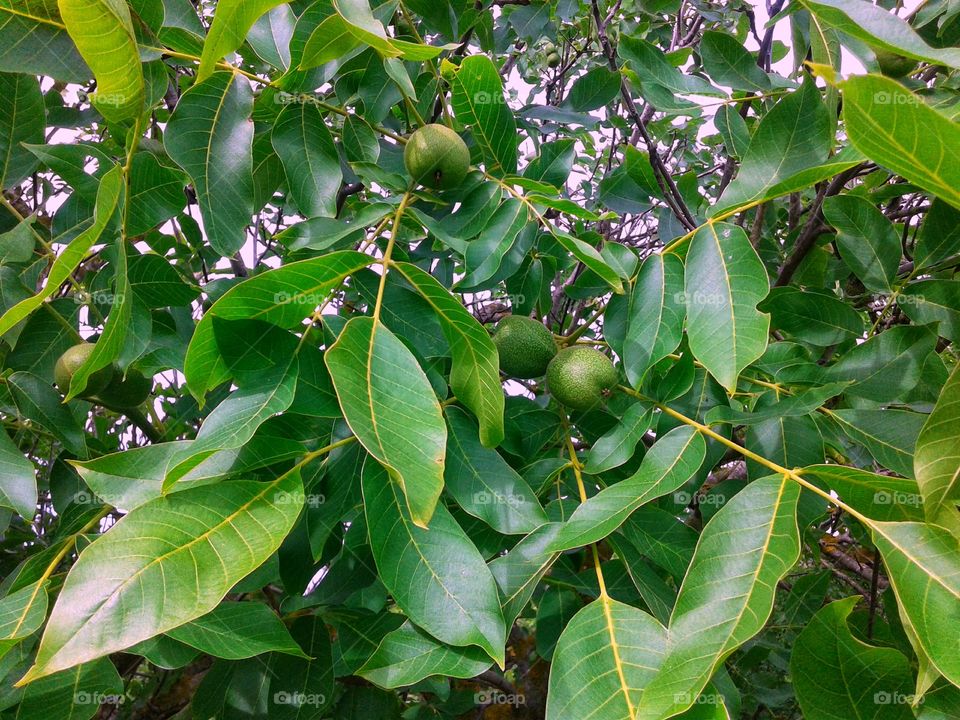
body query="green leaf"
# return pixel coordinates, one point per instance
(729, 63)
(897, 129)
(794, 136)
(724, 281)
(158, 283)
(656, 71)
(478, 102)
(22, 120)
(936, 460)
(72, 694)
(165, 563)
(886, 366)
(17, 245)
(594, 89)
(475, 375)
(889, 435)
(129, 478)
(813, 316)
(231, 23)
(553, 163)
(658, 596)
(801, 403)
(389, 404)
(933, 301)
(879, 497)
(37, 400)
(361, 23)
(669, 464)
(655, 321)
(310, 160)
(330, 40)
(270, 36)
(878, 27)
(835, 675)
(604, 659)
(484, 484)
(156, 194)
(360, 142)
(103, 33)
(37, 42)
(556, 609)
(108, 196)
(733, 129)
(519, 571)
(18, 485)
(22, 612)
(923, 565)
(485, 254)
(868, 242)
(434, 573)
(408, 655)
(210, 136)
(311, 680)
(939, 236)
(728, 592)
(589, 256)
(237, 630)
(234, 421)
(618, 444)
(283, 296)
(115, 329)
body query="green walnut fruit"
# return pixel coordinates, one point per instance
(525, 345)
(127, 392)
(581, 377)
(553, 60)
(437, 157)
(549, 48)
(893, 65)
(68, 364)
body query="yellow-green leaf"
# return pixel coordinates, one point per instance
(897, 129)
(103, 33)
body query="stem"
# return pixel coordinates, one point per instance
(385, 261)
(576, 465)
(769, 464)
(573, 336)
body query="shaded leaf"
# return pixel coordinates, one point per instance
(210, 136)
(434, 573)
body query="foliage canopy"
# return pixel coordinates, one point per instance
(334, 504)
